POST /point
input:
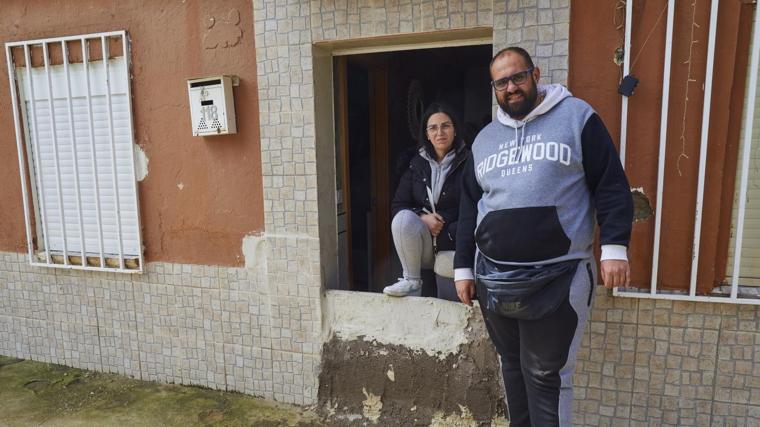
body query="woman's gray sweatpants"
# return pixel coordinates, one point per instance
(414, 244)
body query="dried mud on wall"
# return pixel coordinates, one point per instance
(393, 385)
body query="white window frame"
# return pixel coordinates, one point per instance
(28, 143)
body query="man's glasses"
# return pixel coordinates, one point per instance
(516, 78)
(444, 127)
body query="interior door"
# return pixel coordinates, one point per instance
(343, 181)
(380, 220)
(363, 193)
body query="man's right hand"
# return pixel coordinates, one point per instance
(434, 223)
(465, 290)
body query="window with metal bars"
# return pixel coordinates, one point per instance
(74, 134)
(737, 282)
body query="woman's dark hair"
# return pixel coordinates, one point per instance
(434, 108)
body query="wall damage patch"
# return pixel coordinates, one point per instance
(254, 251)
(141, 163)
(390, 374)
(642, 209)
(372, 406)
(464, 419)
(225, 32)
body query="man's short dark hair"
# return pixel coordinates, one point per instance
(514, 49)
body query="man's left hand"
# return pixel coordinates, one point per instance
(615, 272)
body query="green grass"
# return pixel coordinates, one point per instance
(33, 393)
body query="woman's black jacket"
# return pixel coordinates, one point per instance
(411, 193)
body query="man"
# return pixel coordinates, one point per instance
(538, 174)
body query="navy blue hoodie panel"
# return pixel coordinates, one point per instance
(607, 183)
(530, 234)
(468, 215)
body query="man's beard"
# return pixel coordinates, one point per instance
(522, 108)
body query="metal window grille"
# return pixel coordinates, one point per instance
(732, 294)
(74, 133)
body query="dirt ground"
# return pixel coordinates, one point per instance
(35, 394)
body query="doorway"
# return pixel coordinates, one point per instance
(379, 100)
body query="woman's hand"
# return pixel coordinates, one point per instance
(434, 223)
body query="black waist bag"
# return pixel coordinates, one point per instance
(526, 293)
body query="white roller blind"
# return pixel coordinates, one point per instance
(749, 274)
(102, 218)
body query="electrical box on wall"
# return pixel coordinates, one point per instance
(212, 107)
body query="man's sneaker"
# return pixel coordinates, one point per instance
(404, 287)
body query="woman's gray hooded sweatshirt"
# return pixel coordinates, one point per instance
(532, 187)
(438, 172)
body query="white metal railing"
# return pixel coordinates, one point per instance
(91, 208)
(703, 146)
(112, 140)
(663, 142)
(626, 70)
(719, 295)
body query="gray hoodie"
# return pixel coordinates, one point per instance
(533, 186)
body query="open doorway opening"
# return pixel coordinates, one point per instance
(379, 99)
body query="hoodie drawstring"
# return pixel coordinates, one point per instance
(520, 139)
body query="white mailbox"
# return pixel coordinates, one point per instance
(212, 108)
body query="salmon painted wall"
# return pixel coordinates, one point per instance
(201, 195)
(596, 30)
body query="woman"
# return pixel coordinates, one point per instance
(420, 226)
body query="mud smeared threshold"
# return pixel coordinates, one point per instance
(368, 383)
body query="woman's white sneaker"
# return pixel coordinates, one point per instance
(404, 287)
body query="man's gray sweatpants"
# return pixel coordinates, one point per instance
(538, 356)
